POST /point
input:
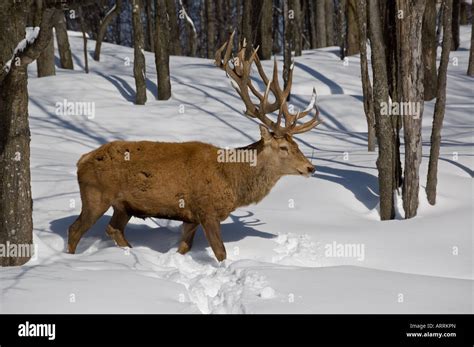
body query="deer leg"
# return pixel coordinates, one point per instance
(93, 207)
(116, 227)
(212, 230)
(189, 230)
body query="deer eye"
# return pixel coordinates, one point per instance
(284, 148)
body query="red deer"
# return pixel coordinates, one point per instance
(187, 181)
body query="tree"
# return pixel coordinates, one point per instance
(15, 188)
(366, 86)
(296, 26)
(329, 11)
(175, 46)
(45, 62)
(440, 105)
(287, 41)
(246, 24)
(383, 124)
(64, 49)
(352, 31)
(139, 57)
(84, 39)
(115, 10)
(429, 44)
(162, 57)
(455, 25)
(470, 68)
(150, 41)
(320, 24)
(191, 33)
(262, 24)
(409, 29)
(211, 28)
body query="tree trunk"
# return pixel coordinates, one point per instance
(263, 17)
(247, 25)
(162, 58)
(329, 10)
(115, 10)
(296, 26)
(409, 31)
(211, 28)
(455, 25)
(464, 16)
(286, 43)
(175, 45)
(16, 224)
(470, 68)
(312, 23)
(438, 117)
(191, 33)
(352, 32)
(45, 62)
(364, 70)
(341, 27)
(276, 37)
(84, 40)
(429, 50)
(150, 42)
(139, 57)
(320, 24)
(65, 56)
(383, 124)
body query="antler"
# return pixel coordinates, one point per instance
(240, 80)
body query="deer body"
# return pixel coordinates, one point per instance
(188, 181)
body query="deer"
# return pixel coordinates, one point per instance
(186, 181)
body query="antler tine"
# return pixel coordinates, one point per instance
(315, 121)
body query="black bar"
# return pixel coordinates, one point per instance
(238, 329)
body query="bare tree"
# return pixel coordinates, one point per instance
(409, 29)
(364, 69)
(191, 33)
(175, 46)
(287, 41)
(383, 124)
(352, 31)
(64, 49)
(320, 24)
(162, 57)
(114, 10)
(138, 51)
(262, 24)
(429, 50)
(150, 41)
(45, 62)
(440, 105)
(296, 26)
(211, 28)
(84, 39)
(329, 11)
(341, 27)
(470, 68)
(15, 188)
(455, 25)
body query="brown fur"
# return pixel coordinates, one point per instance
(179, 181)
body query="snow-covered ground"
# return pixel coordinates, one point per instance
(278, 260)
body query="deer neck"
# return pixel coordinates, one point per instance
(251, 181)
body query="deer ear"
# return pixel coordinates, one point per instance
(266, 136)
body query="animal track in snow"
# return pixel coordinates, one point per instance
(294, 249)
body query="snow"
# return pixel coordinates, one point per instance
(278, 259)
(31, 33)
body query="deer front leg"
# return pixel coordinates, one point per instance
(212, 230)
(189, 229)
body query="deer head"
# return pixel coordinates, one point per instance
(279, 147)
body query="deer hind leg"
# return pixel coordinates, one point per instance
(116, 227)
(212, 230)
(93, 207)
(189, 230)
